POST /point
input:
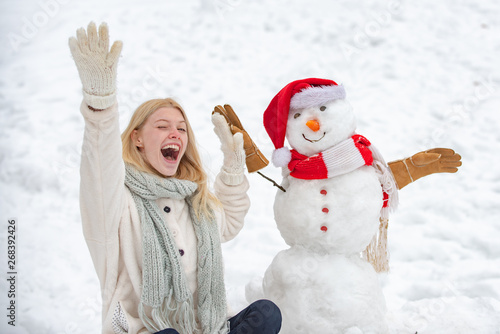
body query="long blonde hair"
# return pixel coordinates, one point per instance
(190, 167)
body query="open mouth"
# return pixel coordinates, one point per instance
(170, 152)
(314, 140)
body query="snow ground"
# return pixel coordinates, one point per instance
(420, 74)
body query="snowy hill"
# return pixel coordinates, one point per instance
(419, 74)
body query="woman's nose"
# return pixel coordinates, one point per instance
(313, 125)
(174, 134)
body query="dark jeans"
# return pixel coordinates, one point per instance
(261, 317)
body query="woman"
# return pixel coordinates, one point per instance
(152, 226)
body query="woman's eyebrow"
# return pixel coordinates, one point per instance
(168, 121)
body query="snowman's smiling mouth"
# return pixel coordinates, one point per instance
(314, 140)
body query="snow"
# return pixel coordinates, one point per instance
(418, 74)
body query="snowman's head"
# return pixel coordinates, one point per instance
(312, 114)
(311, 130)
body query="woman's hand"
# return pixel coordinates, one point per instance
(255, 160)
(96, 64)
(232, 147)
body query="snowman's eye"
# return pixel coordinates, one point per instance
(322, 108)
(297, 115)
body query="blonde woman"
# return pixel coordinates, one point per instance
(151, 224)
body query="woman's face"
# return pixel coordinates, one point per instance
(163, 139)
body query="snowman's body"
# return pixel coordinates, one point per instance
(347, 206)
(321, 283)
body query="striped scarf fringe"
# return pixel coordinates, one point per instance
(376, 252)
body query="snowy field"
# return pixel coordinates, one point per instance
(420, 74)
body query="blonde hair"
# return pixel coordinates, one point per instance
(190, 167)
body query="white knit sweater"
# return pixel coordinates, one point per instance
(112, 228)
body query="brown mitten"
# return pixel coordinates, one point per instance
(437, 160)
(255, 160)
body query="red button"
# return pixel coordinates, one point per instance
(324, 228)
(325, 210)
(323, 192)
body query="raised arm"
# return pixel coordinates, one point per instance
(102, 190)
(231, 185)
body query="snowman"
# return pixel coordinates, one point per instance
(338, 193)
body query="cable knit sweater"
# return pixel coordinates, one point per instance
(112, 229)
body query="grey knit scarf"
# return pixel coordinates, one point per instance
(165, 288)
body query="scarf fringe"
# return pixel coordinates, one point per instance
(376, 252)
(170, 314)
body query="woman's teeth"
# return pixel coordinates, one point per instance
(170, 152)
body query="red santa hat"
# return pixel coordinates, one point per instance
(299, 94)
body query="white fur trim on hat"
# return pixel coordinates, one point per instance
(315, 96)
(281, 157)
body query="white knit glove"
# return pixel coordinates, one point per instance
(96, 65)
(232, 172)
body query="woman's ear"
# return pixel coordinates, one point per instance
(136, 139)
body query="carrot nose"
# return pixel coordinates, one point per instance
(313, 125)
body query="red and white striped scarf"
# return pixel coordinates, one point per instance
(343, 158)
(337, 160)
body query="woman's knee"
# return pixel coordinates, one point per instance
(269, 309)
(266, 306)
(168, 331)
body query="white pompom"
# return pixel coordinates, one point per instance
(281, 157)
